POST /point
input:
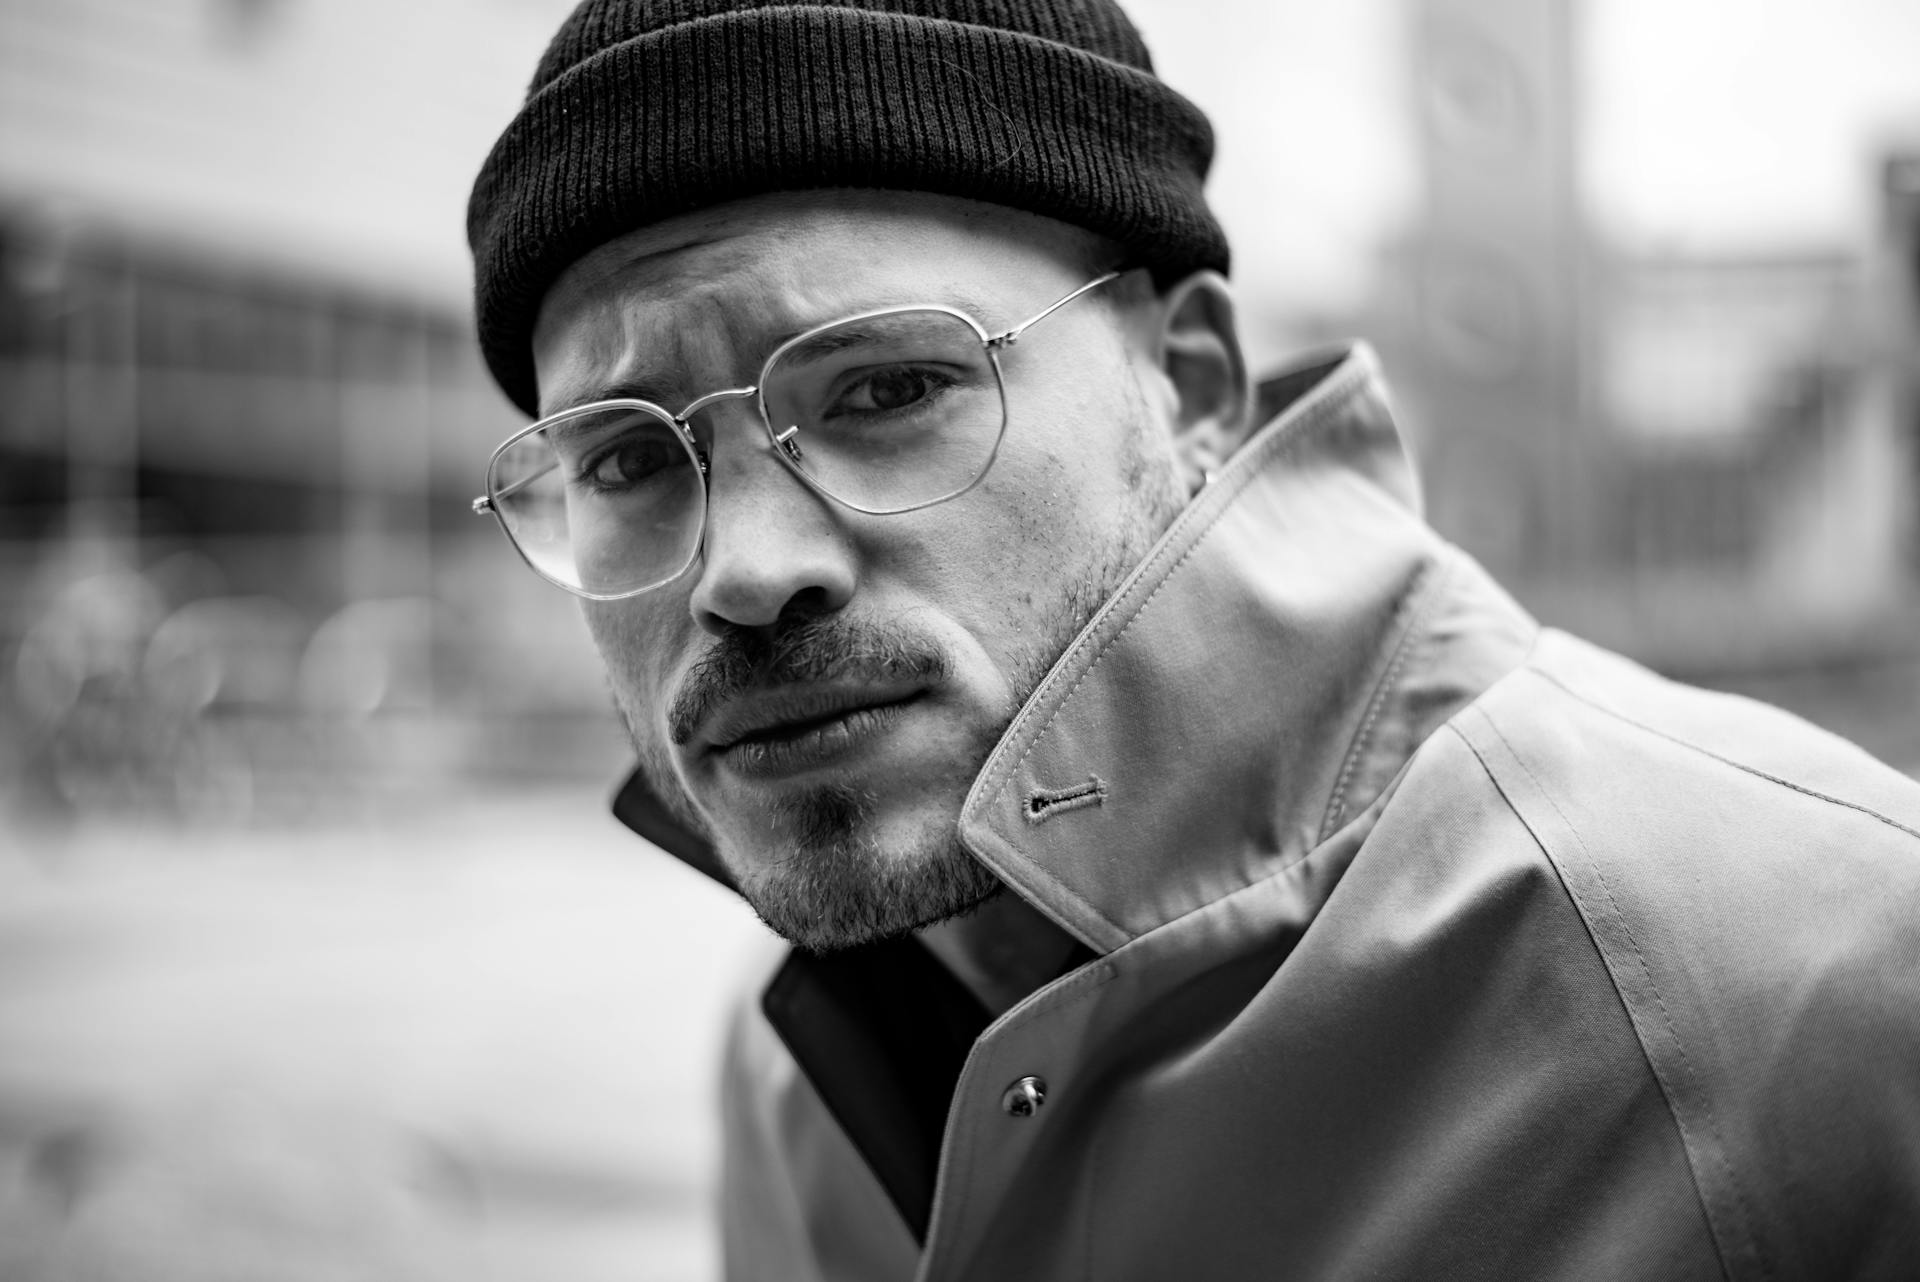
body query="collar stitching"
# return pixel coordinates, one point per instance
(1340, 387)
(1427, 587)
(1354, 374)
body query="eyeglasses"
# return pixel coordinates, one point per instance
(889, 411)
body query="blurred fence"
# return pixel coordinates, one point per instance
(238, 574)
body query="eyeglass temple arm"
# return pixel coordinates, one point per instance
(1008, 338)
(484, 504)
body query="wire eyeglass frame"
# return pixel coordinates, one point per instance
(780, 443)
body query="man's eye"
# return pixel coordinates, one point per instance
(627, 464)
(895, 387)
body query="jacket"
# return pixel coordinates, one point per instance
(1419, 942)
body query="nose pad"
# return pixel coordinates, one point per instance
(771, 542)
(785, 440)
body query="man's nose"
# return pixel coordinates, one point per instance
(773, 545)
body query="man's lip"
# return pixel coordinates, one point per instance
(791, 709)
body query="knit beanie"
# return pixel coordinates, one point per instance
(644, 109)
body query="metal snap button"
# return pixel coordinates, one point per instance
(1024, 1097)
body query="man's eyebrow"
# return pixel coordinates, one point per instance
(662, 392)
(834, 340)
(852, 330)
(563, 434)
(639, 387)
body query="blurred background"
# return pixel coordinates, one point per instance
(321, 957)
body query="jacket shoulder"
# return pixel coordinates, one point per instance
(1709, 727)
(1752, 885)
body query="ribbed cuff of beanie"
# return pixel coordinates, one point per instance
(791, 98)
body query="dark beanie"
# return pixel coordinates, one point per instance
(643, 109)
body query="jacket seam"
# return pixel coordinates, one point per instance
(1709, 753)
(1711, 1126)
(1428, 587)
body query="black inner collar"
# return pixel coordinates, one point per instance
(882, 1032)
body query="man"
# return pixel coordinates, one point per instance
(1197, 868)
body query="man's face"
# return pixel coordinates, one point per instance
(818, 691)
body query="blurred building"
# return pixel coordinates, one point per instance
(1708, 461)
(1898, 299)
(241, 414)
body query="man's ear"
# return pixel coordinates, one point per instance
(1198, 349)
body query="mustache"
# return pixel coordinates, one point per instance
(801, 650)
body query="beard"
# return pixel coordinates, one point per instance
(836, 885)
(839, 887)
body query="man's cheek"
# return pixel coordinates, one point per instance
(637, 655)
(625, 632)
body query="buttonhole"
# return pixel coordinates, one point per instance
(1044, 803)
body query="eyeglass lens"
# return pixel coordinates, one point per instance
(605, 500)
(883, 413)
(893, 411)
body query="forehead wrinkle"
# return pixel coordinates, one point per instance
(625, 344)
(601, 317)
